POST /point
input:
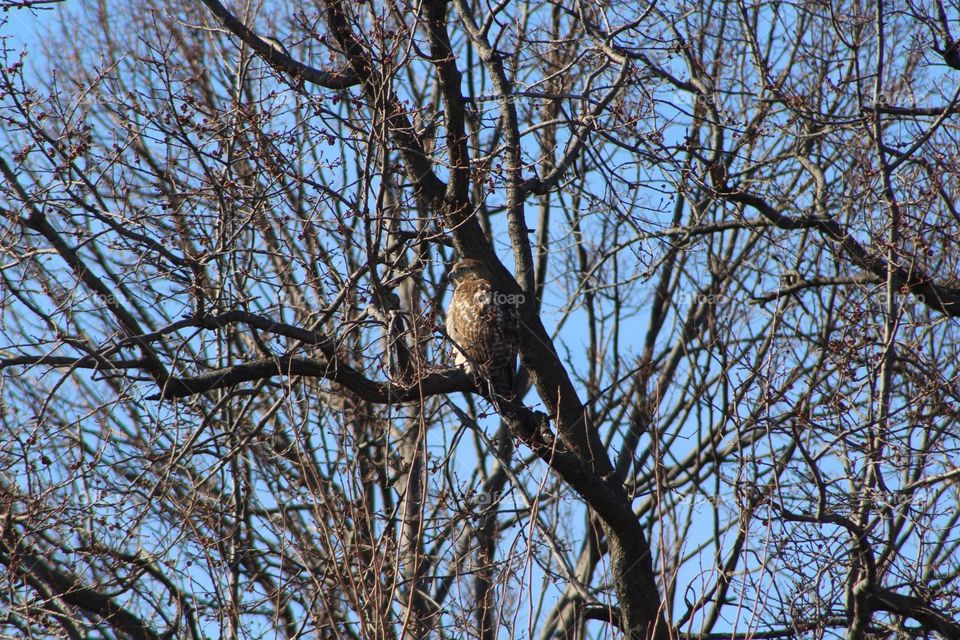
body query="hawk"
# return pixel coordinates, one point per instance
(483, 325)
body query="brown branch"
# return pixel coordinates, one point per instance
(306, 336)
(458, 214)
(279, 58)
(771, 634)
(910, 607)
(802, 284)
(942, 299)
(925, 112)
(37, 221)
(428, 187)
(82, 362)
(439, 383)
(603, 613)
(28, 4)
(32, 565)
(510, 129)
(445, 61)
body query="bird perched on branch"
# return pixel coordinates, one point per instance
(483, 325)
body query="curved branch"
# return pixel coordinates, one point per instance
(37, 221)
(943, 299)
(279, 58)
(445, 61)
(438, 383)
(30, 564)
(910, 607)
(65, 362)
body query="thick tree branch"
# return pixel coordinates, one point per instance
(440, 383)
(427, 185)
(33, 567)
(920, 284)
(277, 57)
(82, 362)
(580, 136)
(910, 607)
(443, 58)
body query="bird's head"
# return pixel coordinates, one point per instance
(468, 269)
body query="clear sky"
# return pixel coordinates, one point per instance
(26, 25)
